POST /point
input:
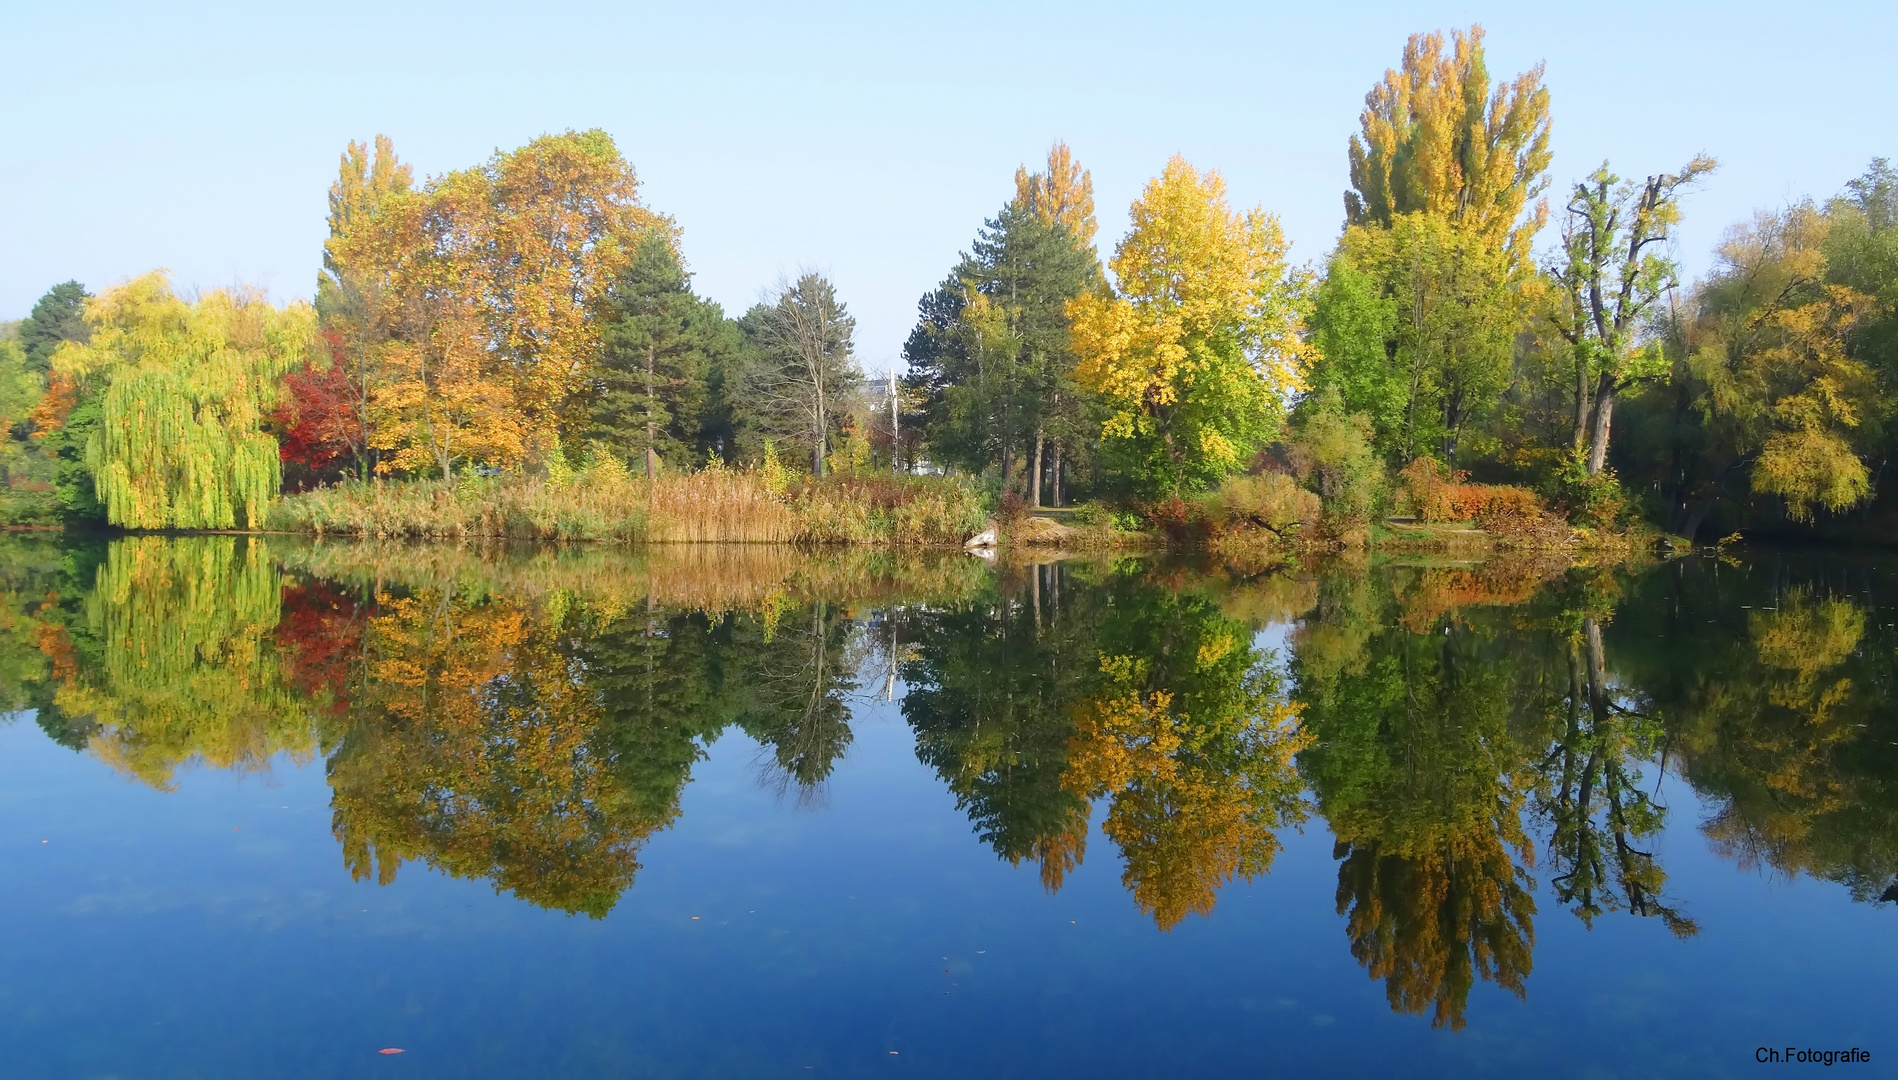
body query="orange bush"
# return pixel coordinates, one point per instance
(1435, 494)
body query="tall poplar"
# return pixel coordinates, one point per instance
(1436, 139)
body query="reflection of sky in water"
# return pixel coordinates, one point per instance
(213, 931)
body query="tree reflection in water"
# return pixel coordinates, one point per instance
(532, 718)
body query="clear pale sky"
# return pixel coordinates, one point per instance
(866, 141)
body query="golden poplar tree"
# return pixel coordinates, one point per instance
(1063, 195)
(1435, 139)
(181, 442)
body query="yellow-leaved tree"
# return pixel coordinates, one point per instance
(1063, 195)
(483, 319)
(1435, 139)
(1785, 397)
(1197, 350)
(181, 441)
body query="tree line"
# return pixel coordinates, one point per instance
(532, 316)
(1443, 325)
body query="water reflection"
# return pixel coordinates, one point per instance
(1477, 740)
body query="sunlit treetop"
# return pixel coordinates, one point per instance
(1435, 139)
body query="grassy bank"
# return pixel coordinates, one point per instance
(713, 505)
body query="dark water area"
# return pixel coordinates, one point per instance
(268, 809)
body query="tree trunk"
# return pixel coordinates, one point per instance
(1034, 484)
(1008, 463)
(1597, 671)
(817, 440)
(896, 429)
(1604, 418)
(652, 456)
(1054, 474)
(1452, 427)
(1582, 402)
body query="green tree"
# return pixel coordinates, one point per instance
(992, 349)
(57, 317)
(1448, 303)
(647, 396)
(1607, 281)
(802, 371)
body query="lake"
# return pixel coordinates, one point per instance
(271, 808)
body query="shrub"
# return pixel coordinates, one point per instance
(1272, 501)
(1595, 501)
(1430, 492)
(1332, 454)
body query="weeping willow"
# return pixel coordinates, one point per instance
(182, 663)
(182, 444)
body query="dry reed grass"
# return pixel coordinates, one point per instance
(713, 505)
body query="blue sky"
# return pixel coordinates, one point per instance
(866, 141)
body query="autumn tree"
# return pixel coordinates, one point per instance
(803, 370)
(1414, 323)
(317, 423)
(1196, 351)
(180, 441)
(1435, 139)
(1781, 394)
(1062, 194)
(358, 309)
(482, 293)
(1607, 280)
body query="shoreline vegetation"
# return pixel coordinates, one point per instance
(514, 352)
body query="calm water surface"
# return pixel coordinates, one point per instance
(269, 809)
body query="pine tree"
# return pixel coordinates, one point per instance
(648, 393)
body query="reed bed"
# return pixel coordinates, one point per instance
(714, 505)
